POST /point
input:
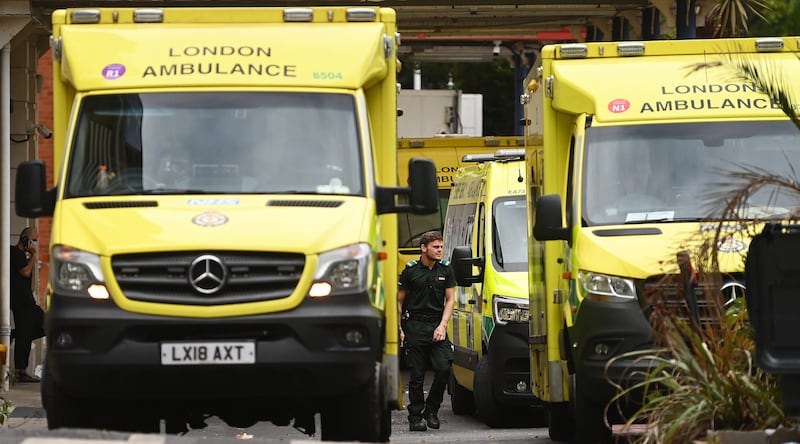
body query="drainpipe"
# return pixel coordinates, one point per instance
(5, 208)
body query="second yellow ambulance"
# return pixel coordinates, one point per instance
(485, 238)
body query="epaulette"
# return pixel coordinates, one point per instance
(444, 262)
(412, 263)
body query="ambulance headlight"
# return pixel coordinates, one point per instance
(74, 271)
(510, 310)
(342, 270)
(605, 288)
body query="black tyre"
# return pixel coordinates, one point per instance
(485, 403)
(62, 410)
(561, 422)
(361, 416)
(590, 426)
(461, 400)
(385, 431)
(67, 411)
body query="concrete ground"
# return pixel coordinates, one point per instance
(26, 404)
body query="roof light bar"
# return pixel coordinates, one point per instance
(573, 50)
(502, 154)
(85, 16)
(361, 15)
(148, 16)
(510, 153)
(478, 158)
(769, 44)
(630, 49)
(298, 15)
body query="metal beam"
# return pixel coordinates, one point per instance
(430, 16)
(470, 22)
(11, 25)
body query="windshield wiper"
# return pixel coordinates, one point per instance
(664, 219)
(175, 191)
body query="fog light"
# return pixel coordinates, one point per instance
(320, 289)
(98, 291)
(64, 340)
(522, 387)
(601, 349)
(355, 338)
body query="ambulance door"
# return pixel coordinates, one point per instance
(480, 301)
(459, 231)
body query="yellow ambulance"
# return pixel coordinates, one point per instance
(639, 137)
(485, 239)
(224, 219)
(446, 152)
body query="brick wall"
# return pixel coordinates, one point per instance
(45, 153)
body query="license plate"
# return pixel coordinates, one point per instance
(207, 353)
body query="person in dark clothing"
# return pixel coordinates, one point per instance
(425, 302)
(28, 316)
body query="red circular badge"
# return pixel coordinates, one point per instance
(619, 105)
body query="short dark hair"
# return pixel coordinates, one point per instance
(26, 232)
(430, 236)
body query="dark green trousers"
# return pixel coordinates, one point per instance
(420, 351)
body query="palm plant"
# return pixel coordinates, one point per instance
(5, 410)
(731, 18)
(702, 379)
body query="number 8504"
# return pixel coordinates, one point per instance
(327, 76)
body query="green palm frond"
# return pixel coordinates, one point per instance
(769, 80)
(766, 77)
(730, 18)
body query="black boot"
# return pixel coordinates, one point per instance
(416, 424)
(24, 377)
(432, 419)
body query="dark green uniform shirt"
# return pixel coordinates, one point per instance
(425, 287)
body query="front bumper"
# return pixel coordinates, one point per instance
(618, 328)
(301, 353)
(509, 356)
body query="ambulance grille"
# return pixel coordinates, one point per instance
(665, 293)
(242, 277)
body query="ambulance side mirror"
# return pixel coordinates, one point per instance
(32, 198)
(424, 186)
(420, 197)
(548, 223)
(463, 265)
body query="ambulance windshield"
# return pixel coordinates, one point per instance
(220, 142)
(671, 172)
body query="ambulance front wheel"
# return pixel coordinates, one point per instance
(461, 400)
(361, 416)
(561, 422)
(590, 424)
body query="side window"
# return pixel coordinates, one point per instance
(458, 227)
(570, 182)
